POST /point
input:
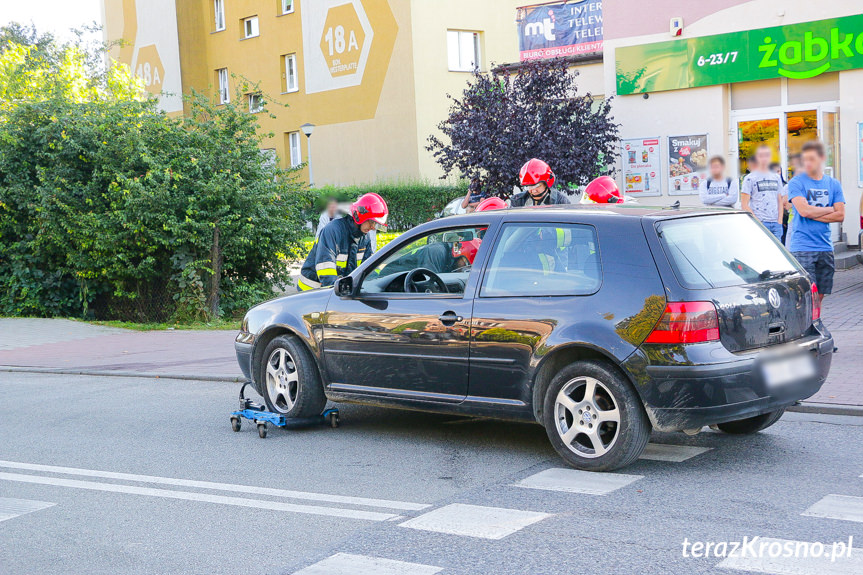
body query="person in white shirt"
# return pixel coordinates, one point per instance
(327, 216)
(718, 189)
(762, 193)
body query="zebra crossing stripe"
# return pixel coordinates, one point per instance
(475, 520)
(834, 559)
(844, 507)
(576, 481)
(672, 453)
(347, 564)
(11, 508)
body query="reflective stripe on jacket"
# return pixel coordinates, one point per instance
(339, 250)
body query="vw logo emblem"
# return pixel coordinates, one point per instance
(773, 297)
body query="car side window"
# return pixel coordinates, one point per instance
(448, 254)
(543, 259)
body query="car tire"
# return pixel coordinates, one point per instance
(602, 431)
(290, 381)
(751, 424)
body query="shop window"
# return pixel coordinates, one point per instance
(463, 50)
(250, 27)
(224, 87)
(219, 14)
(287, 6)
(256, 103)
(296, 155)
(290, 77)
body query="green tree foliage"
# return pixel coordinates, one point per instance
(504, 118)
(109, 206)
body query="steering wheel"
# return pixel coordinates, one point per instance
(422, 280)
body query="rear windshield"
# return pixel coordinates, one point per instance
(723, 250)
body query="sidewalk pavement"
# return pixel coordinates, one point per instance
(59, 345)
(75, 347)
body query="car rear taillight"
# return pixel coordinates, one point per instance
(686, 322)
(816, 303)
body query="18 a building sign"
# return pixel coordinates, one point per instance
(797, 51)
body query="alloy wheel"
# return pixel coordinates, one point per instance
(283, 381)
(587, 417)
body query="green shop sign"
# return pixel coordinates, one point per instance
(797, 51)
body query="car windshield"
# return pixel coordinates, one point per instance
(723, 250)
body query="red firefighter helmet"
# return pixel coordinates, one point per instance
(491, 204)
(370, 207)
(466, 249)
(603, 190)
(534, 172)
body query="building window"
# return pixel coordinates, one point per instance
(294, 148)
(287, 6)
(256, 103)
(268, 157)
(224, 88)
(291, 79)
(250, 27)
(462, 50)
(219, 6)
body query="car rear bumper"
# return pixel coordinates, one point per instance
(696, 390)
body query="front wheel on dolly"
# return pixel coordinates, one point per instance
(262, 430)
(290, 381)
(235, 423)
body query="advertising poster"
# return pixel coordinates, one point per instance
(641, 169)
(562, 29)
(687, 163)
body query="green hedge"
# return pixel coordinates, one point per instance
(411, 203)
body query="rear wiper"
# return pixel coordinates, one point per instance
(769, 275)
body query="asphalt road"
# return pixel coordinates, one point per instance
(184, 494)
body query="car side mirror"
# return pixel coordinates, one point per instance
(344, 286)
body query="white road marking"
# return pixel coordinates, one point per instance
(193, 496)
(673, 453)
(10, 508)
(475, 520)
(763, 563)
(383, 503)
(575, 481)
(843, 507)
(347, 564)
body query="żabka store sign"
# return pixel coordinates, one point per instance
(798, 51)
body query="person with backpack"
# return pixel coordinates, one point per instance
(718, 190)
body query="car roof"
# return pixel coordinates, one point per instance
(585, 212)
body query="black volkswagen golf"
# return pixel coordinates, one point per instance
(600, 323)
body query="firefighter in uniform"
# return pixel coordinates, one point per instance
(536, 176)
(344, 243)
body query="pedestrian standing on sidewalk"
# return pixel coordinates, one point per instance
(474, 195)
(776, 168)
(796, 168)
(328, 215)
(762, 192)
(718, 189)
(818, 201)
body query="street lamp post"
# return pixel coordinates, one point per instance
(307, 130)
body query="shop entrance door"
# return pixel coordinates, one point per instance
(785, 130)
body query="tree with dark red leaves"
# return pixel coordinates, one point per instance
(507, 116)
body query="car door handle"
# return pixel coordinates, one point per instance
(449, 318)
